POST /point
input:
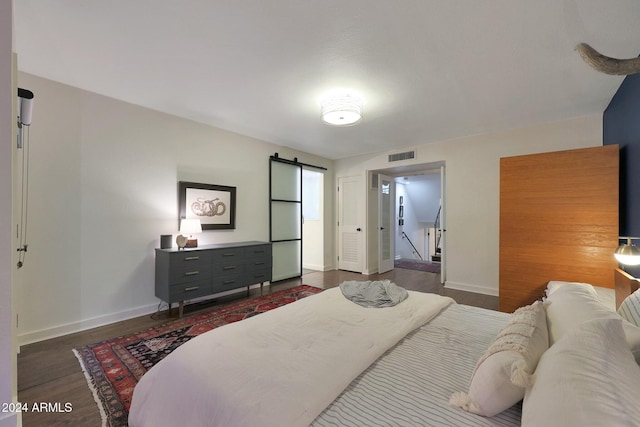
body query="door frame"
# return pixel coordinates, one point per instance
(370, 262)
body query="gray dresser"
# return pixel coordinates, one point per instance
(206, 270)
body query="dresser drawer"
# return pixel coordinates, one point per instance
(190, 273)
(256, 264)
(258, 276)
(189, 259)
(228, 255)
(229, 268)
(226, 283)
(190, 290)
(259, 251)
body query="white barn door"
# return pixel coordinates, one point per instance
(285, 219)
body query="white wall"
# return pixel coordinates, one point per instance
(104, 187)
(8, 369)
(472, 189)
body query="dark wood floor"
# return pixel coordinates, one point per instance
(48, 371)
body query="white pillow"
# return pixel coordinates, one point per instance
(606, 296)
(588, 378)
(554, 285)
(630, 308)
(506, 368)
(571, 305)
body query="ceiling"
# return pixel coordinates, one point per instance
(428, 70)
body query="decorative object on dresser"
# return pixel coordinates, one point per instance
(190, 227)
(213, 205)
(210, 269)
(165, 241)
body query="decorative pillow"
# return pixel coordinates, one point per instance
(630, 308)
(588, 378)
(507, 367)
(570, 306)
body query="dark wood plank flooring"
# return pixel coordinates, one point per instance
(49, 372)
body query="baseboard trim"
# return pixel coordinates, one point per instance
(83, 325)
(471, 288)
(314, 267)
(94, 322)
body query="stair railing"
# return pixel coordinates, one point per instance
(415, 251)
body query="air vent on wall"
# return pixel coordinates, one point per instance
(407, 155)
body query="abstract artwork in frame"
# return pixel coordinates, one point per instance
(213, 205)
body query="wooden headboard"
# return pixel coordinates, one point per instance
(558, 221)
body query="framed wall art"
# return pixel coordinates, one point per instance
(213, 205)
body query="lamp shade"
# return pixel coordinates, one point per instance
(342, 109)
(190, 226)
(628, 254)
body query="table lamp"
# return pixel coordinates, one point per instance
(190, 227)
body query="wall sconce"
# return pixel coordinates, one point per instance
(628, 253)
(190, 227)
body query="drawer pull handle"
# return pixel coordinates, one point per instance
(259, 263)
(191, 273)
(192, 258)
(259, 251)
(229, 254)
(229, 282)
(229, 267)
(193, 288)
(259, 275)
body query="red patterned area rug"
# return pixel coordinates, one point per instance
(414, 264)
(113, 367)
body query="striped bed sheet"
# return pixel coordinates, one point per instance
(411, 383)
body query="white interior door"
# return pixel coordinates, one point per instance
(386, 221)
(350, 231)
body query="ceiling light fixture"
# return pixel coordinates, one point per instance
(342, 109)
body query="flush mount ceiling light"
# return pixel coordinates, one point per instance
(342, 109)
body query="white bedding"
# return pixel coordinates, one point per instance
(281, 368)
(410, 385)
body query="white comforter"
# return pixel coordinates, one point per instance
(280, 368)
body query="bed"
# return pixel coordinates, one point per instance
(425, 362)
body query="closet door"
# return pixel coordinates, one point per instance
(350, 239)
(285, 183)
